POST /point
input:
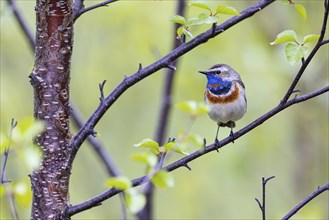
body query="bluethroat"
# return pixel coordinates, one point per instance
(225, 96)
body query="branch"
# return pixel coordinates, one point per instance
(97, 146)
(3, 179)
(161, 63)
(185, 160)
(161, 130)
(6, 153)
(310, 57)
(262, 205)
(168, 86)
(79, 7)
(182, 162)
(100, 150)
(21, 21)
(314, 194)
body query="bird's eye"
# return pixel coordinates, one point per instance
(223, 74)
(218, 72)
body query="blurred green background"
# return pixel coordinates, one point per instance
(111, 41)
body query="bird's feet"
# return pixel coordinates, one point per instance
(216, 143)
(232, 135)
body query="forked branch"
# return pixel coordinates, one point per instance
(129, 81)
(309, 198)
(184, 161)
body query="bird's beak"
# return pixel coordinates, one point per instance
(204, 72)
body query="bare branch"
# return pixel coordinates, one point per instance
(246, 129)
(3, 180)
(161, 63)
(79, 7)
(309, 198)
(97, 146)
(262, 205)
(161, 130)
(324, 42)
(185, 160)
(100, 150)
(101, 89)
(6, 153)
(168, 87)
(309, 58)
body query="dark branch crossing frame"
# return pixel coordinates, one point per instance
(50, 79)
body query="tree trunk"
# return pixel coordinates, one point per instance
(50, 79)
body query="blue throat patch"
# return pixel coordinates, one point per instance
(217, 86)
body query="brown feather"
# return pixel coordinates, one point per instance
(223, 99)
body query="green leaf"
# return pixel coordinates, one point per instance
(135, 201)
(295, 52)
(193, 107)
(172, 146)
(285, 36)
(120, 182)
(180, 30)
(194, 21)
(147, 158)
(207, 19)
(181, 149)
(301, 10)
(163, 179)
(196, 139)
(227, 10)
(169, 146)
(202, 109)
(188, 106)
(311, 37)
(178, 19)
(201, 5)
(187, 33)
(149, 143)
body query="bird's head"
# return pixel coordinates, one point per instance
(220, 78)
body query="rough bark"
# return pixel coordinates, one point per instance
(50, 79)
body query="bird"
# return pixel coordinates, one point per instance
(225, 96)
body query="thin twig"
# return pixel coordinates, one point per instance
(97, 146)
(309, 58)
(82, 10)
(101, 152)
(245, 130)
(262, 205)
(309, 198)
(185, 160)
(11, 199)
(161, 130)
(3, 180)
(168, 86)
(129, 81)
(101, 89)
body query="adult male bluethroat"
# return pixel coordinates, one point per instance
(225, 96)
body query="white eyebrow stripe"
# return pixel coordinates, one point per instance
(214, 70)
